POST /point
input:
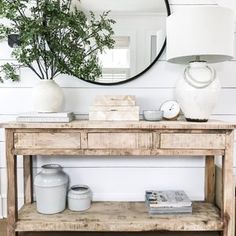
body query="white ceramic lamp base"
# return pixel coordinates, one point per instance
(198, 98)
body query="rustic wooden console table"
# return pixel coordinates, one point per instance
(122, 138)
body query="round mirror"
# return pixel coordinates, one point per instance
(139, 35)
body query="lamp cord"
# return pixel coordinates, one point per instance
(192, 81)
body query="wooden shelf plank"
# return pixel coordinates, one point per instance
(119, 152)
(120, 216)
(85, 124)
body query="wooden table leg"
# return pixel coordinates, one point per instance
(228, 207)
(28, 186)
(12, 208)
(210, 179)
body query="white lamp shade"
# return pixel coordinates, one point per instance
(207, 32)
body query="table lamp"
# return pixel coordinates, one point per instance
(197, 36)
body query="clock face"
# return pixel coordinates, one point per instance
(171, 110)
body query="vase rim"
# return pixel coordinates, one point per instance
(51, 168)
(80, 189)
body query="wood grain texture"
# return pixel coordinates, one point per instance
(194, 141)
(219, 189)
(47, 140)
(219, 186)
(3, 233)
(80, 124)
(120, 216)
(120, 140)
(210, 179)
(28, 179)
(76, 233)
(18, 101)
(118, 152)
(11, 184)
(228, 203)
(131, 138)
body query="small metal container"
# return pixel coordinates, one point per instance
(153, 115)
(79, 198)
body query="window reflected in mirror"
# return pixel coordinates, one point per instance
(116, 62)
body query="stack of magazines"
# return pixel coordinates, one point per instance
(38, 117)
(167, 202)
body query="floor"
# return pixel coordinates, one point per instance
(3, 233)
(2, 228)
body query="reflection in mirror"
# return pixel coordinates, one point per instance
(139, 34)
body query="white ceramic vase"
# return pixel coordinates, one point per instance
(79, 198)
(51, 188)
(48, 97)
(198, 98)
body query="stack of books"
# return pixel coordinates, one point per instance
(38, 117)
(167, 202)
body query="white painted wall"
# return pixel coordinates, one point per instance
(120, 178)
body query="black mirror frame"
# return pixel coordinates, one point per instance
(145, 70)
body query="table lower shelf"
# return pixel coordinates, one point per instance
(120, 216)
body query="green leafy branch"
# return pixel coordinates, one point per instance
(55, 38)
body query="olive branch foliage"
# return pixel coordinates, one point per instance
(55, 37)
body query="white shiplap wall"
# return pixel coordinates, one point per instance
(120, 178)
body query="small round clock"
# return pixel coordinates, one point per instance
(171, 110)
